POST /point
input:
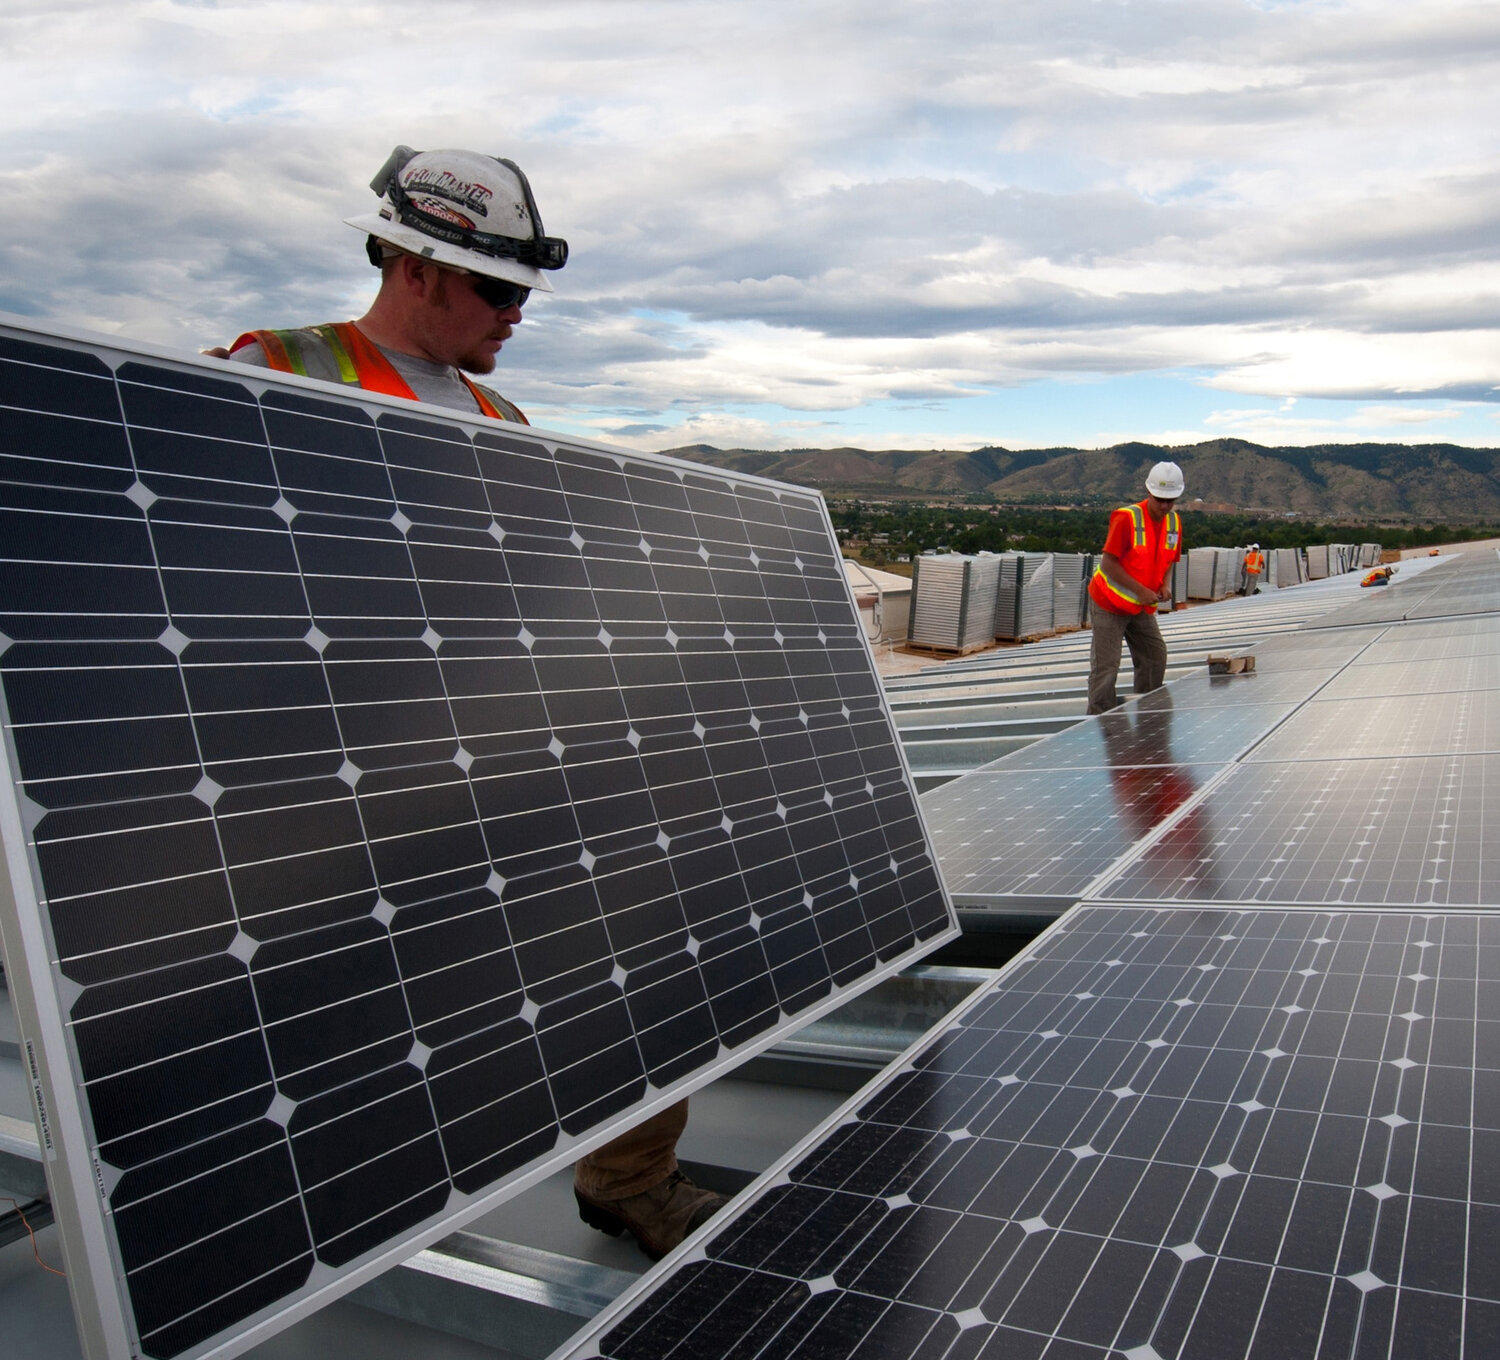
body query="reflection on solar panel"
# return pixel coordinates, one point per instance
(396, 802)
(1161, 1135)
(1403, 832)
(1161, 735)
(1047, 833)
(1227, 691)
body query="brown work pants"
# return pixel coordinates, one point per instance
(1148, 654)
(635, 1161)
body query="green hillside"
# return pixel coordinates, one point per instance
(1368, 482)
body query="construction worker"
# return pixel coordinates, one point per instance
(1130, 581)
(1255, 564)
(460, 247)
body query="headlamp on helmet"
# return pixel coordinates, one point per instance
(540, 251)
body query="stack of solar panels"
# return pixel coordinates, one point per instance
(1178, 579)
(953, 601)
(1023, 601)
(1214, 573)
(1288, 566)
(1229, 572)
(1318, 565)
(1201, 565)
(1369, 554)
(1038, 599)
(1069, 583)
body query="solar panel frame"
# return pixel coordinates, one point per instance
(382, 635)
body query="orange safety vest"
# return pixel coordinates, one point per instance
(1149, 558)
(359, 362)
(1255, 563)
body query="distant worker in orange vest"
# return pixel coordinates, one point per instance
(1130, 581)
(1255, 565)
(460, 247)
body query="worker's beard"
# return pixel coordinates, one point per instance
(478, 359)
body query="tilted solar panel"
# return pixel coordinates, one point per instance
(398, 804)
(1161, 1135)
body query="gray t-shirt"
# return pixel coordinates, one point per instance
(438, 384)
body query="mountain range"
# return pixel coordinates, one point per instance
(1368, 482)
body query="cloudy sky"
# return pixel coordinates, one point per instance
(930, 223)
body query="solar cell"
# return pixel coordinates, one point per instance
(1160, 1135)
(397, 805)
(1416, 831)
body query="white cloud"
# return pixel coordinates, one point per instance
(802, 207)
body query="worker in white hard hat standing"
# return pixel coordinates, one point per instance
(460, 246)
(1131, 580)
(1255, 566)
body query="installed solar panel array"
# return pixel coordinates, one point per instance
(1181, 1125)
(397, 803)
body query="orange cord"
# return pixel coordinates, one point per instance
(32, 1235)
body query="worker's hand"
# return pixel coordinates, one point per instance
(217, 352)
(1163, 595)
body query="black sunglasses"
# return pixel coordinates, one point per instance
(499, 293)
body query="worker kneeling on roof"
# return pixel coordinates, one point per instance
(1128, 584)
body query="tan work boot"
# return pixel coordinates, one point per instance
(659, 1217)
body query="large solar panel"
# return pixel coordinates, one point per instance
(1414, 831)
(1199, 1121)
(1466, 721)
(1161, 1135)
(397, 805)
(1414, 677)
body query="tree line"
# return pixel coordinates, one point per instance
(881, 533)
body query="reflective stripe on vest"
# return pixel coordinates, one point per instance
(359, 362)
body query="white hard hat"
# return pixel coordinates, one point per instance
(1165, 480)
(463, 209)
